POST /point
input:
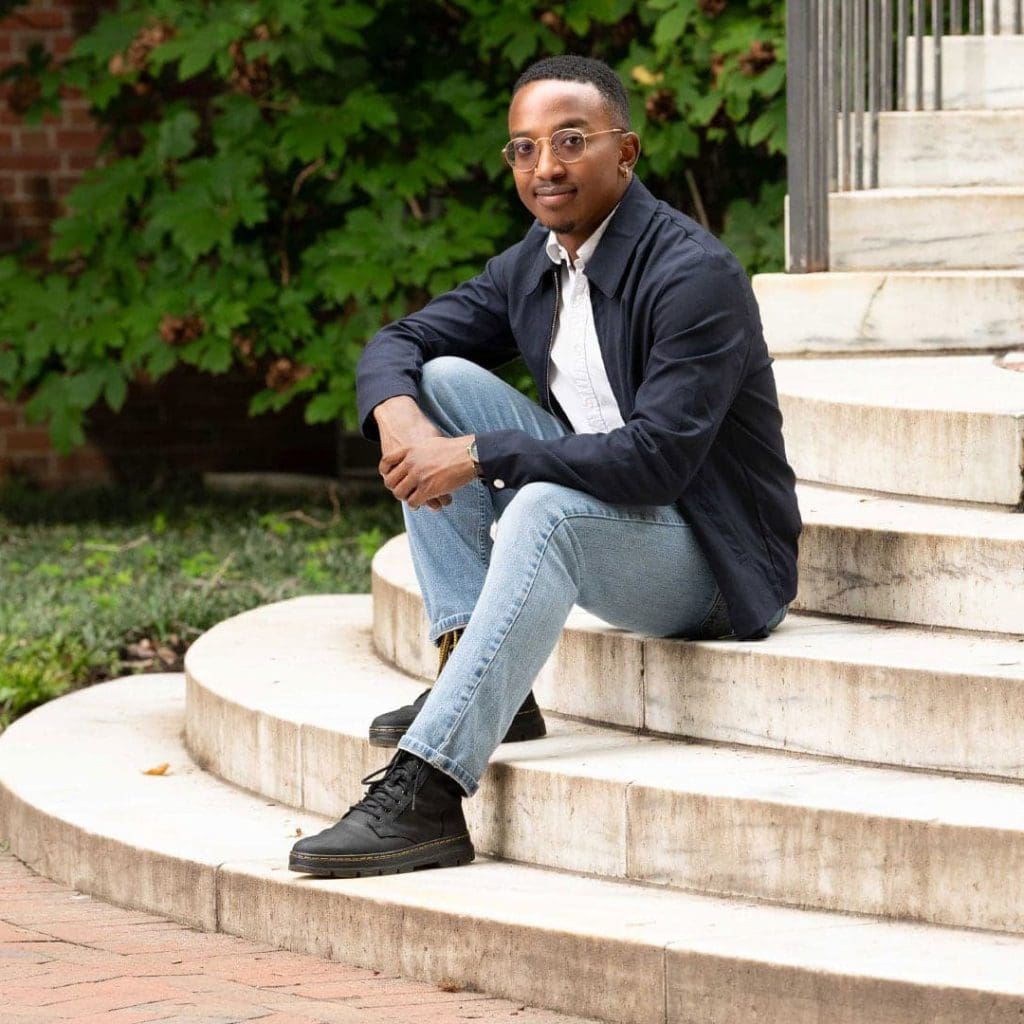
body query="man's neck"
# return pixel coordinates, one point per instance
(573, 245)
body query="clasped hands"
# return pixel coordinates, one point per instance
(418, 464)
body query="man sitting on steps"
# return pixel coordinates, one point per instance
(650, 487)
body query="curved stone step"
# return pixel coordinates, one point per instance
(949, 427)
(913, 561)
(749, 823)
(892, 311)
(75, 806)
(951, 148)
(864, 691)
(927, 229)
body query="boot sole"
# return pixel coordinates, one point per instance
(439, 853)
(532, 727)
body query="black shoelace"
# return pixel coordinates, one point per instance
(390, 785)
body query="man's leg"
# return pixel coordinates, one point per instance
(451, 547)
(637, 567)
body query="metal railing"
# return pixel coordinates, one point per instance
(850, 61)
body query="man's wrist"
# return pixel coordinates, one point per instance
(398, 405)
(474, 456)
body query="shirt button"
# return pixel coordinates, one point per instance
(498, 484)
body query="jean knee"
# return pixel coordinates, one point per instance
(445, 374)
(541, 511)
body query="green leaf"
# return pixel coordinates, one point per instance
(115, 391)
(673, 22)
(176, 135)
(324, 408)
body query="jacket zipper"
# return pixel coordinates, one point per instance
(551, 340)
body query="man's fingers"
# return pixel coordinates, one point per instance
(390, 460)
(393, 477)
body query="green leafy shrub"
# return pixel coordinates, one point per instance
(109, 582)
(33, 671)
(281, 177)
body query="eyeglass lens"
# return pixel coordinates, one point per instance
(568, 145)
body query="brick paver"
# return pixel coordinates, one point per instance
(66, 958)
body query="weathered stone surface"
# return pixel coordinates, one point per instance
(865, 691)
(893, 311)
(76, 805)
(739, 822)
(911, 561)
(613, 950)
(858, 690)
(951, 148)
(927, 229)
(949, 427)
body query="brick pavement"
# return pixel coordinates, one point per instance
(66, 958)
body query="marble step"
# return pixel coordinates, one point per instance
(951, 149)
(927, 229)
(949, 427)
(978, 72)
(75, 806)
(906, 560)
(866, 312)
(863, 691)
(291, 724)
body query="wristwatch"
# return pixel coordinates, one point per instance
(475, 456)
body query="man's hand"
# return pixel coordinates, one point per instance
(403, 425)
(429, 470)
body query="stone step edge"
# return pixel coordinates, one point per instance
(953, 192)
(693, 689)
(907, 559)
(619, 952)
(971, 453)
(793, 816)
(877, 312)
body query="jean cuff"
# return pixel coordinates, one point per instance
(444, 764)
(446, 625)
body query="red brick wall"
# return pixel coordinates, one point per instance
(164, 429)
(39, 164)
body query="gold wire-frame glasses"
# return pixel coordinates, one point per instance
(567, 144)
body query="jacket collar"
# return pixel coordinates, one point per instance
(607, 265)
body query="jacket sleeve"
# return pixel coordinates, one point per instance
(701, 336)
(470, 321)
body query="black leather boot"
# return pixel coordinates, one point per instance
(387, 729)
(411, 817)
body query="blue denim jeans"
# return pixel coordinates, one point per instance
(637, 567)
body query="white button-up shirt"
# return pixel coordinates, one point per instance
(578, 377)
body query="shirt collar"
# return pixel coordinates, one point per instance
(558, 255)
(608, 263)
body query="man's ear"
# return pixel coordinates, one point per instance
(629, 151)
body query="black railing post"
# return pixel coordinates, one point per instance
(807, 234)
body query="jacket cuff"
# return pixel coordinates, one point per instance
(497, 461)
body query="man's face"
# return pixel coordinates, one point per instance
(571, 199)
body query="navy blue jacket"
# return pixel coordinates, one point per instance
(682, 343)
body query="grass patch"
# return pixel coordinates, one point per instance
(103, 583)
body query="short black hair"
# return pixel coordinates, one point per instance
(570, 68)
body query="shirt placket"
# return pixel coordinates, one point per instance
(580, 298)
